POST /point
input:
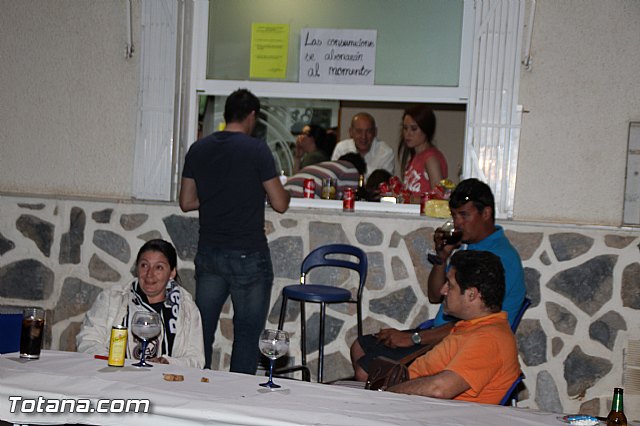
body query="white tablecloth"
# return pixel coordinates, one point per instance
(228, 399)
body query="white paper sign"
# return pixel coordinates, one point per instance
(337, 56)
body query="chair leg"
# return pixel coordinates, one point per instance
(303, 334)
(321, 343)
(306, 374)
(283, 312)
(359, 317)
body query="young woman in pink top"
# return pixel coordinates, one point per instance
(423, 164)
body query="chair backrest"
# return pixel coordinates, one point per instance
(512, 393)
(319, 257)
(516, 321)
(427, 324)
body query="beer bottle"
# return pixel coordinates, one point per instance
(360, 192)
(616, 415)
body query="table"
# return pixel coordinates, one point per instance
(227, 399)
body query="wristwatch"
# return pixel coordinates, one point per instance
(415, 338)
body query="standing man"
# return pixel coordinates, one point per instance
(473, 210)
(226, 176)
(363, 131)
(478, 361)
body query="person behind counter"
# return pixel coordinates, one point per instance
(372, 186)
(423, 164)
(312, 146)
(156, 289)
(364, 141)
(346, 170)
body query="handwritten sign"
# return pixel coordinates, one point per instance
(269, 50)
(337, 56)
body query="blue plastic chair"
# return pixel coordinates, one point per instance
(516, 321)
(324, 256)
(511, 397)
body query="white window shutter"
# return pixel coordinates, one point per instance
(493, 113)
(155, 148)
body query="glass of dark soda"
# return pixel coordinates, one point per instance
(31, 334)
(450, 234)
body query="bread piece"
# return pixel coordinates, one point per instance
(173, 377)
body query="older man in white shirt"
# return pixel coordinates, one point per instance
(363, 131)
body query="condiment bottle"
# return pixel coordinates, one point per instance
(616, 415)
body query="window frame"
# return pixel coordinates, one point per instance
(343, 92)
(490, 48)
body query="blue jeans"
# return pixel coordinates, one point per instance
(248, 277)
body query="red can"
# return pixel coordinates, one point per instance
(309, 188)
(348, 200)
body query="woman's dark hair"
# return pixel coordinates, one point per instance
(376, 178)
(319, 135)
(482, 270)
(426, 120)
(164, 247)
(372, 192)
(330, 142)
(357, 161)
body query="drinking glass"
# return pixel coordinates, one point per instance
(31, 333)
(273, 344)
(328, 189)
(450, 236)
(145, 325)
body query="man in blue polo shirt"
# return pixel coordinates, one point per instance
(473, 210)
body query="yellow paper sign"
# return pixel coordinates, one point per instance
(269, 50)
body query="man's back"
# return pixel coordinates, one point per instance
(229, 169)
(498, 244)
(345, 173)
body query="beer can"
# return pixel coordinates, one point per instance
(309, 188)
(117, 346)
(348, 200)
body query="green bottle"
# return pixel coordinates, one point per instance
(616, 415)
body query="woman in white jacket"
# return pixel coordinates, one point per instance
(154, 289)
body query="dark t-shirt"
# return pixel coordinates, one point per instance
(229, 169)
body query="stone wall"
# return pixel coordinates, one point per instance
(584, 283)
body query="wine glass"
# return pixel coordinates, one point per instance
(449, 236)
(145, 325)
(273, 344)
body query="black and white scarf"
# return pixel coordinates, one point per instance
(163, 344)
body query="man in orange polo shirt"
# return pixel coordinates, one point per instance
(478, 360)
